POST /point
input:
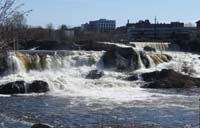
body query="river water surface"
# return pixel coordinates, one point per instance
(74, 101)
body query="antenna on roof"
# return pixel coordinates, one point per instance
(128, 21)
(155, 29)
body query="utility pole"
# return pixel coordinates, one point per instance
(155, 29)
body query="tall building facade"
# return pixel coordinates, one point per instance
(162, 31)
(102, 25)
(198, 26)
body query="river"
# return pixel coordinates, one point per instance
(74, 101)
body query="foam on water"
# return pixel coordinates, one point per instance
(74, 99)
(159, 45)
(66, 72)
(180, 60)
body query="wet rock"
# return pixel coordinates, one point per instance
(95, 74)
(3, 63)
(149, 49)
(121, 58)
(160, 58)
(145, 59)
(132, 78)
(169, 79)
(21, 87)
(13, 88)
(41, 126)
(38, 87)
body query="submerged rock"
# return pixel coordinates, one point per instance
(160, 58)
(169, 79)
(21, 87)
(95, 74)
(149, 49)
(145, 59)
(121, 58)
(41, 126)
(132, 78)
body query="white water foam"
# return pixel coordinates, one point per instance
(66, 76)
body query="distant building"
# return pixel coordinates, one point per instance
(198, 26)
(102, 25)
(69, 33)
(159, 31)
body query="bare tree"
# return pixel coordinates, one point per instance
(9, 8)
(50, 28)
(61, 33)
(11, 18)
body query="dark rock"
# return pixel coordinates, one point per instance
(41, 126)
(95, 74)
(121, 58)
(38, 87)
(21, 87)
(149, 49)
(13, 88)
(132, 78)
(145, 59)
(160, 58)
(3, 63)
(169, 79)
(169, 58)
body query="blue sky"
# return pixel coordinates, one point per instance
(76, 12)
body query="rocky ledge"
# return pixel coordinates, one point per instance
(95, 74)
(21, 87)
(121, 58)
(165, 79)
(149, 49)
(169, 79)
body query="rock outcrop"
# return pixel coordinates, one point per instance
(145, 59)
(160, 58)
(3, 63)
(21, 87)
(132, 78)
(169, 79)
(95, 74)
(121, 58)
(13, 88)
(149, 49)
(129, 59)
(38, 87)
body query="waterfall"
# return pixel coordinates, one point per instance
(160, 58)
(24, 61)
(14, 63)
(66, 71)
(141, 63)
(161, 46)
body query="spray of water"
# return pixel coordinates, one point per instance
(65, 72)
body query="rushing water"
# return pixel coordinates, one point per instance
(75, 101)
